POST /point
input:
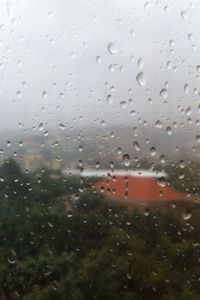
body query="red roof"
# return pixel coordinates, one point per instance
(138, 188)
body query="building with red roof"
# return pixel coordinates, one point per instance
(144, 187)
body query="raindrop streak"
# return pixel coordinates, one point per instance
(141, 79)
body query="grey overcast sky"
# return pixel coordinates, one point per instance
(61, 60)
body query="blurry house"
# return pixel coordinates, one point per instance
(139, 188)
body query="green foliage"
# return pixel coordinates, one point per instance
(97, 251)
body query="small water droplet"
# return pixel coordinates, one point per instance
(190, 37)
(19, 94)
(140, 63)
(119, 150)
(44, 94)
(186, 89)
(62, 126)
(136, 145)
(188, 111)
(198, 68)
(162, 181)
(158, 124)
(162, 159)
(153, 151)
(112, 48)
(80, 148)
(97, 165)
(169, 130)
(141, 79)
(126, 159)
(123, 104)
(109, 99)
(187, 215)
(198, 138)
(8, 143)
(184, 15)
(163, 93)
(41, 126)
(146, 212)
(98, 60)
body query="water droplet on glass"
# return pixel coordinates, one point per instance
(44, 94)
(184, 15)
(141, 79)
(190, 37)
(97, 165)
(146, 5)
(126, 159)
(98, 60)
(198, 138)
(109, 99)
(146, 212)
(163, 93)
(162, 181)
(19, 94)
(80, 148)
(169, 130)
(186, 88)
(188, 111)
(162, 159)
(136, 145)
(140, 63)
(158, 124)
(187, 215)
(119, 150)
(112, 48)
(123, 104)
(62, 126)
(198, 68)
(41, 126)
(153, 151)
(12, 257)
